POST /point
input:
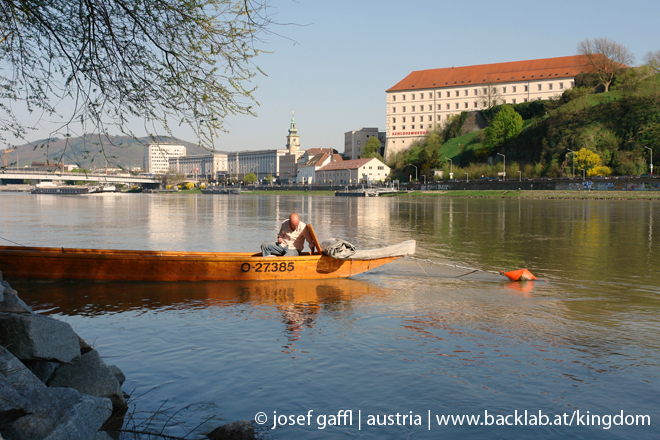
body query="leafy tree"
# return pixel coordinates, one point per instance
(250, 178)
(372, 149)
(117, 60)
(587, 159)
(506, 125)
(269, 178)
(652, 59)
(607, 58)
(490, 95)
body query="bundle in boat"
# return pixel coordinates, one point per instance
(341, 249)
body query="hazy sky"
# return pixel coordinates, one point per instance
(333, 70)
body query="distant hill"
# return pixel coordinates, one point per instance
(91, 151)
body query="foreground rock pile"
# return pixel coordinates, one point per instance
(53, 385)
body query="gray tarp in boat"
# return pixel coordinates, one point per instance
(341, 249)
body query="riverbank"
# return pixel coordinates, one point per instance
(541, 194)
(498, 194)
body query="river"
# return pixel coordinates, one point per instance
(424, 337)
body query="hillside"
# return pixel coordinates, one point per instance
(89, 151)
(615, 126)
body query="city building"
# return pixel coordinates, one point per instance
(426, 98)
(354, 141)
(307, 171)
(156, 157)
(260, 162)
(353, 172)
(211, 166)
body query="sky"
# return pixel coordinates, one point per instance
(333, 66)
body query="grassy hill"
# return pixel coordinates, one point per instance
(90, 151)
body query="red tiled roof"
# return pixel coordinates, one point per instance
(316, 159)
(546, 68)
(346, 164)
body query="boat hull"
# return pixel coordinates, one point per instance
(108, 264)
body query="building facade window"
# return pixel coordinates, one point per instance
(403, 97)
(394, 120)
(503, 89)
(393, 109)
(550, 86)
(413, 119)
(524, 99)
(430, 118)
(393, 97)
(448, 95)
(527, 88)
(476, 92)
(514, 89)
(466, 105)
(413, 108)
(513, 100)
(430, 107)
(475, 104)
(404, 109)
(404, 119)
(439, 107)
(466, 92)
(457, 93)
(447, 106)
(439, 95)
(561, 85)
(413, 97)
(540, 86)
(457, 105)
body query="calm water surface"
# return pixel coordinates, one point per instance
(415, 337)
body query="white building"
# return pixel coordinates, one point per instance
(261, 163)
(307, 172)
(426, 98)
(353, 172)
(156, 157)
(354, 141)
(209, 166)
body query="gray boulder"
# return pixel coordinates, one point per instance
(118, 374)
(241, 430)
(34, 337)
(10, 302)
(90, 375)
(61, 413)
(32, 411)
(12, 404)
(42, 369)
(102, 435)
(18, 375)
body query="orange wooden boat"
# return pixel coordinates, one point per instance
(134, 265)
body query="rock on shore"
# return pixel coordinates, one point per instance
(53, 385)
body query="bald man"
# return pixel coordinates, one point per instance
(290, 240)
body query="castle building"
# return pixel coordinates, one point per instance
(427, 98)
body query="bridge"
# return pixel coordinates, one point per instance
(13, 175)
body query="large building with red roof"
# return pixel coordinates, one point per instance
(426, 98)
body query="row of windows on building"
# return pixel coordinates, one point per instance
(466, 92)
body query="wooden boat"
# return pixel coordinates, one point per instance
(135, 265)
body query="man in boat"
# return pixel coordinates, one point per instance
(290, 240)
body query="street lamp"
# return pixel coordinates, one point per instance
(451, 167)
(651, 150)
(415, 170)
(256, 167)
(519, 176)
(568, 149)
(467, 177)
(503, 167)
(583, 173)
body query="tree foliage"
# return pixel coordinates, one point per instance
(607, 58)
(113, 61)
(372, 149)
(652, 59)
(250, 178)
(506, 125)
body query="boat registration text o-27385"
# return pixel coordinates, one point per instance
(267, 267)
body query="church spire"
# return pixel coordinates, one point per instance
(292, 140)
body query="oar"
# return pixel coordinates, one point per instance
(317, 245)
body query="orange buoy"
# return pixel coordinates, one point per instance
(519, 275)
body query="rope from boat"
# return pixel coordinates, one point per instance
(471, 269)
(18, 244)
